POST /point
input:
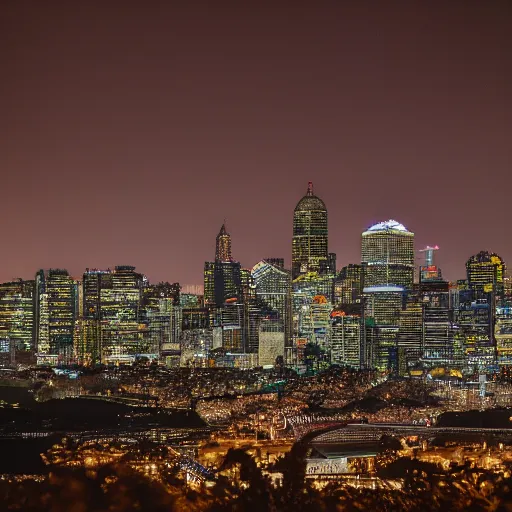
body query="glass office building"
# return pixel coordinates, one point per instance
(310, 236)
(387, 249)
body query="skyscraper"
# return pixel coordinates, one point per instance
(438, 330)
(227, 281)
(123, 336)
(388, 250)
(310, 236)
(223, 245)
(485, 273)
(56, 312)
(347, 335)
(88, 329)
(222, 278)
(274, 291)
(209, 283)
(349, 284)
(17, 313)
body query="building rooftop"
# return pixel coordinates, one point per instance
(310, 201)
(388, 225)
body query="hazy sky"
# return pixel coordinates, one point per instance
(130, 130)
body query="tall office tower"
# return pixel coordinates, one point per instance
(123, 336)
(17, 313)
(485, 273)
(87, 341)
(223, 245)
(209, 283)
(227, 282)
(383, 305)
(503, 334)
(87, 336)
(223, 277)
(474, 332)
(310, 236)
(349, 284)
(410, 334)
(476, 315)
(93, 281)
(158, 310)
(387, 248)
(274, 292)
(121, 294)
(232, 323)
(56, 312)
(247, 285)
(438, 332)
(347, 335)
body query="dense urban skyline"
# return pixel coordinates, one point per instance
(128, 136)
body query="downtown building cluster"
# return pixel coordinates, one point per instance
(383, 312)
(110, 316)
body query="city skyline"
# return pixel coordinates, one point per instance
(254, 255)
(118, 149)
(77, 275)
(288, 260)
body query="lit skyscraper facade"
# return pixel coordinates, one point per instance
(383, 306)
(349, 284)
(223, 245)
(222, 278)
(227, 281)
(88, 329)
(158, 314)
(17, 313)
(56, 312)
(347, 335)
(387, 249)
(273, 289)
(123, 336)
(410, 333)
(310, 236)
(209, 283)
(439, 348)
(485, 272)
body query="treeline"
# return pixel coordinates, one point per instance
(424, 487)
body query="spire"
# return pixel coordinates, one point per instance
(310, 188)
(223, 245)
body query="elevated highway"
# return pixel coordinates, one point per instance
(353, 432)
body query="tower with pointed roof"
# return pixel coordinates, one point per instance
(310, 237)
(222, 277)
(223, 245)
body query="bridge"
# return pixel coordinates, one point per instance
(303, 424)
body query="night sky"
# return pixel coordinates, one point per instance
(130, 130)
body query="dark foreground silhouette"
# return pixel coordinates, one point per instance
(425, 487)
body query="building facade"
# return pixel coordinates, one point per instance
(310, 236)
(387, 250)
